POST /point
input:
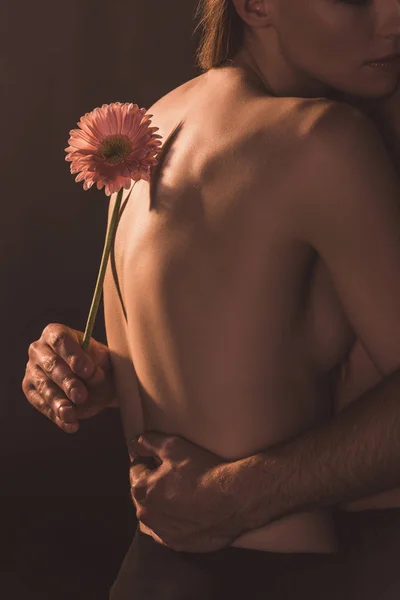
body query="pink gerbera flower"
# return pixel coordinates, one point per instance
(114, 145)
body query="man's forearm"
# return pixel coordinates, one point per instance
(354, 455)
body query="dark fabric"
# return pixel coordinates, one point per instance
(370, 553)
(153, 572)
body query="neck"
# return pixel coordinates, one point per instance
(265, 60)
(253, 74)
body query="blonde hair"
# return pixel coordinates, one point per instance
(222, 32)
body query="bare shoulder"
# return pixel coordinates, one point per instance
(300, 137)
(301, 127)
(323, 121)
(344, 164)
(309, 114)
(177, 96)
(339, 125)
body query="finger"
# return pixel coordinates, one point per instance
(138, 450)
(140, 471)
(66, 343)
(151, 443)
(142, 474)
(45, 409)
(138, 479)
(150, 462)
(50, 394)
(137, 474)
(58, 371)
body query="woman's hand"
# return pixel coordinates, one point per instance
(64, 382)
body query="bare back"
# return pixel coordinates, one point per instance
(233, 326)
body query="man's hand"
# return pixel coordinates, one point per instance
(65, 383)
(186, 501)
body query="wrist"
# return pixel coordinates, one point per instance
(255, 490)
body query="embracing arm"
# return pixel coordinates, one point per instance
(355, 455)
(351, 216)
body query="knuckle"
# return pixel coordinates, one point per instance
(50, 364)
(42, 406)
(57, 337)
(76, 363)
(68, 383)
(57, 404)
(33, 345)
(41, 386)
(32, 348)
(140, 492)
(50, 328)
(143, 515)
(137, 486)
(48, 394)
(46, 410)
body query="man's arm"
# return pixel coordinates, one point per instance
(350, 214)
(353, 456)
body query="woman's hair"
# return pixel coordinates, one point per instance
(222, 32)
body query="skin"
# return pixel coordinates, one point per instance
(235, 421)
(312, 49)
(65, 383)
(298, 69)
(239, 360)
(348, 457)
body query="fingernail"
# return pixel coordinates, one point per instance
(76, 396)
(72, 427)
(66, 413)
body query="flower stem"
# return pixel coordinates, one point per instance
(102, 272)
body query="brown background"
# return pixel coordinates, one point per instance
(66, 518)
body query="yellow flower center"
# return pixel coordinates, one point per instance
(115, 148)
